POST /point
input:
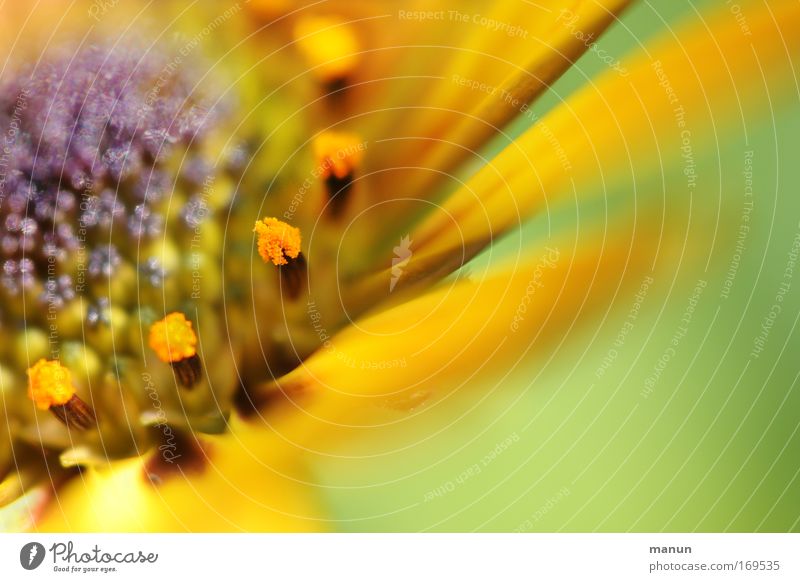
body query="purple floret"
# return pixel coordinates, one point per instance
(83, 139)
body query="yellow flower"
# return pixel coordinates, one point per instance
(214, 354)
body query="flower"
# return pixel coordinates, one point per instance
(219, 257)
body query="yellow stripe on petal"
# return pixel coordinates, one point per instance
(455, 93)
(688, 87)
(540, 58)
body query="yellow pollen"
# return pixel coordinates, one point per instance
(329, 45)
(173, 339)
(277, 241)
(337, 154)
(49, 384)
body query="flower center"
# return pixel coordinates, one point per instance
(112, 176)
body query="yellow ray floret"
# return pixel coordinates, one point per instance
(50, 384)
(443, 340)
(277, 241)
(173, 338)
(251, 482)
(329, 45)
(337, 154)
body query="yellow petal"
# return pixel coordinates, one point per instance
(249, 484)
(438, 342)
(20, 515)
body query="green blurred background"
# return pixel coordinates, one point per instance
(557, 446)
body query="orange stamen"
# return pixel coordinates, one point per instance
(277, 241)
(338, 154)
(49, 384)
(329, 45)
(173, 338)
